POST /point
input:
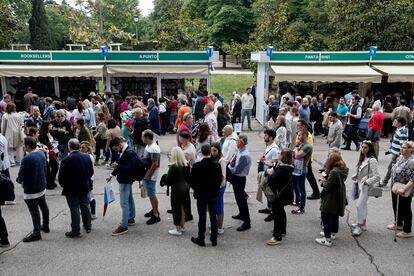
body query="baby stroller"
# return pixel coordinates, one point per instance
(363, 129)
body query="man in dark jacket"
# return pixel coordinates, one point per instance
(141, 123)
(6, 193)
(124, 171)
(75, 175)
(63, 132)
(32, 176)
(154, 117)
(199, 107)
(205, 179)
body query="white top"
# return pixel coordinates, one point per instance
(33, 196)
(230, 147)
(217, 104)
(271, 153)
(162, 108)
(4, 155)
(247, 101)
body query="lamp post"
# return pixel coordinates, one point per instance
(136, 18)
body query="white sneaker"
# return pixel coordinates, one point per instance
(93, 216)
(357, 231)
(175, 232)
(324, 242)
(273, 241)
(363, 227)
(333, 235)
(10, 202)
(220, 231)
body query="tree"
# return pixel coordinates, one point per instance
(176, 30)
(38, 26)
(229, 21)
(59, 21)
(7, 25)
(356, 25)
(21, 10)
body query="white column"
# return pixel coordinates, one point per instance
(159, 90)
(57, 88)
(3, 85)
(108, 86)
(208, 83)
(261, 91)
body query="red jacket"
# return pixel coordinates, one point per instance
(376, 121)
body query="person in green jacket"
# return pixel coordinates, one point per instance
(333, 198)
(177, 177)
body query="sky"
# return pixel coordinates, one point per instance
(145, 6)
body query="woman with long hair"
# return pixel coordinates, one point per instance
(112, 132)
(203, 138)
(280, 182)
(281, 132)
(12, 124)
(217, 156)
(86, 147)
(100, 138)
(177, 177)
(333, 198)
(367, 176)
(47, 139)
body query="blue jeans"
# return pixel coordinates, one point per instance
(127, 203)
(300, 191)
(173, 118)
(63, 149)
(248, 113)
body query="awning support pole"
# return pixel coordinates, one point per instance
(261, 91)
(108, 86)
(57, 88)
(208, 83)
(3, 85)
(159, 90)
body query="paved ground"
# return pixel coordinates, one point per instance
(149, 250)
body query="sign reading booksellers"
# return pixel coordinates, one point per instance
(83, 56)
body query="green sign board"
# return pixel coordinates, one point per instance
(80, 57)
(332, 57)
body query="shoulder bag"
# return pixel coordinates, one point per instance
(374, 191)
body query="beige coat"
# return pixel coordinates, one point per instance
(367, 173)
(12, 128)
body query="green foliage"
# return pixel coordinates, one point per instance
(357, 24)
(229, 20)
(226, 84)
(39, 28)
(7, 25)
(59, 22)
(175, 30)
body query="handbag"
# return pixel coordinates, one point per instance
(355, 190)
(267, 191)
(373, 135)
(374, 191)
(397, 186)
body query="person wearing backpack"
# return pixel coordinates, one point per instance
(366, 175)
(124, 171)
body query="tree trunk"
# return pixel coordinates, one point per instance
(224, 60)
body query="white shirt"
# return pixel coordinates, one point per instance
(271, 153)
(247, 101)
(230, 147)
(217, 104)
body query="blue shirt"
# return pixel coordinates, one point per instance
(243, 163)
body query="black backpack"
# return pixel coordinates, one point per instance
(6, 189)
(141, 169)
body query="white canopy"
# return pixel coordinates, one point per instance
(50, 70)
(129, 70)
(397, 73)
(325, 73)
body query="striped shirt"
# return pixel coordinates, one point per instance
(399, 137)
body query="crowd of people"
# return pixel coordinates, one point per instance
(51, 139)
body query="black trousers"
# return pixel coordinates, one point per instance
(34, 205)
(239, 184)
(352, 136)
(3, 228)
(330, 224)
(405, 215)
(187, 207)
(279, 220)
(202, 206)
(75, 203)
(100, 145)
(312, 180)
(53, 168)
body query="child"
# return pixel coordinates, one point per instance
(86, 147)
